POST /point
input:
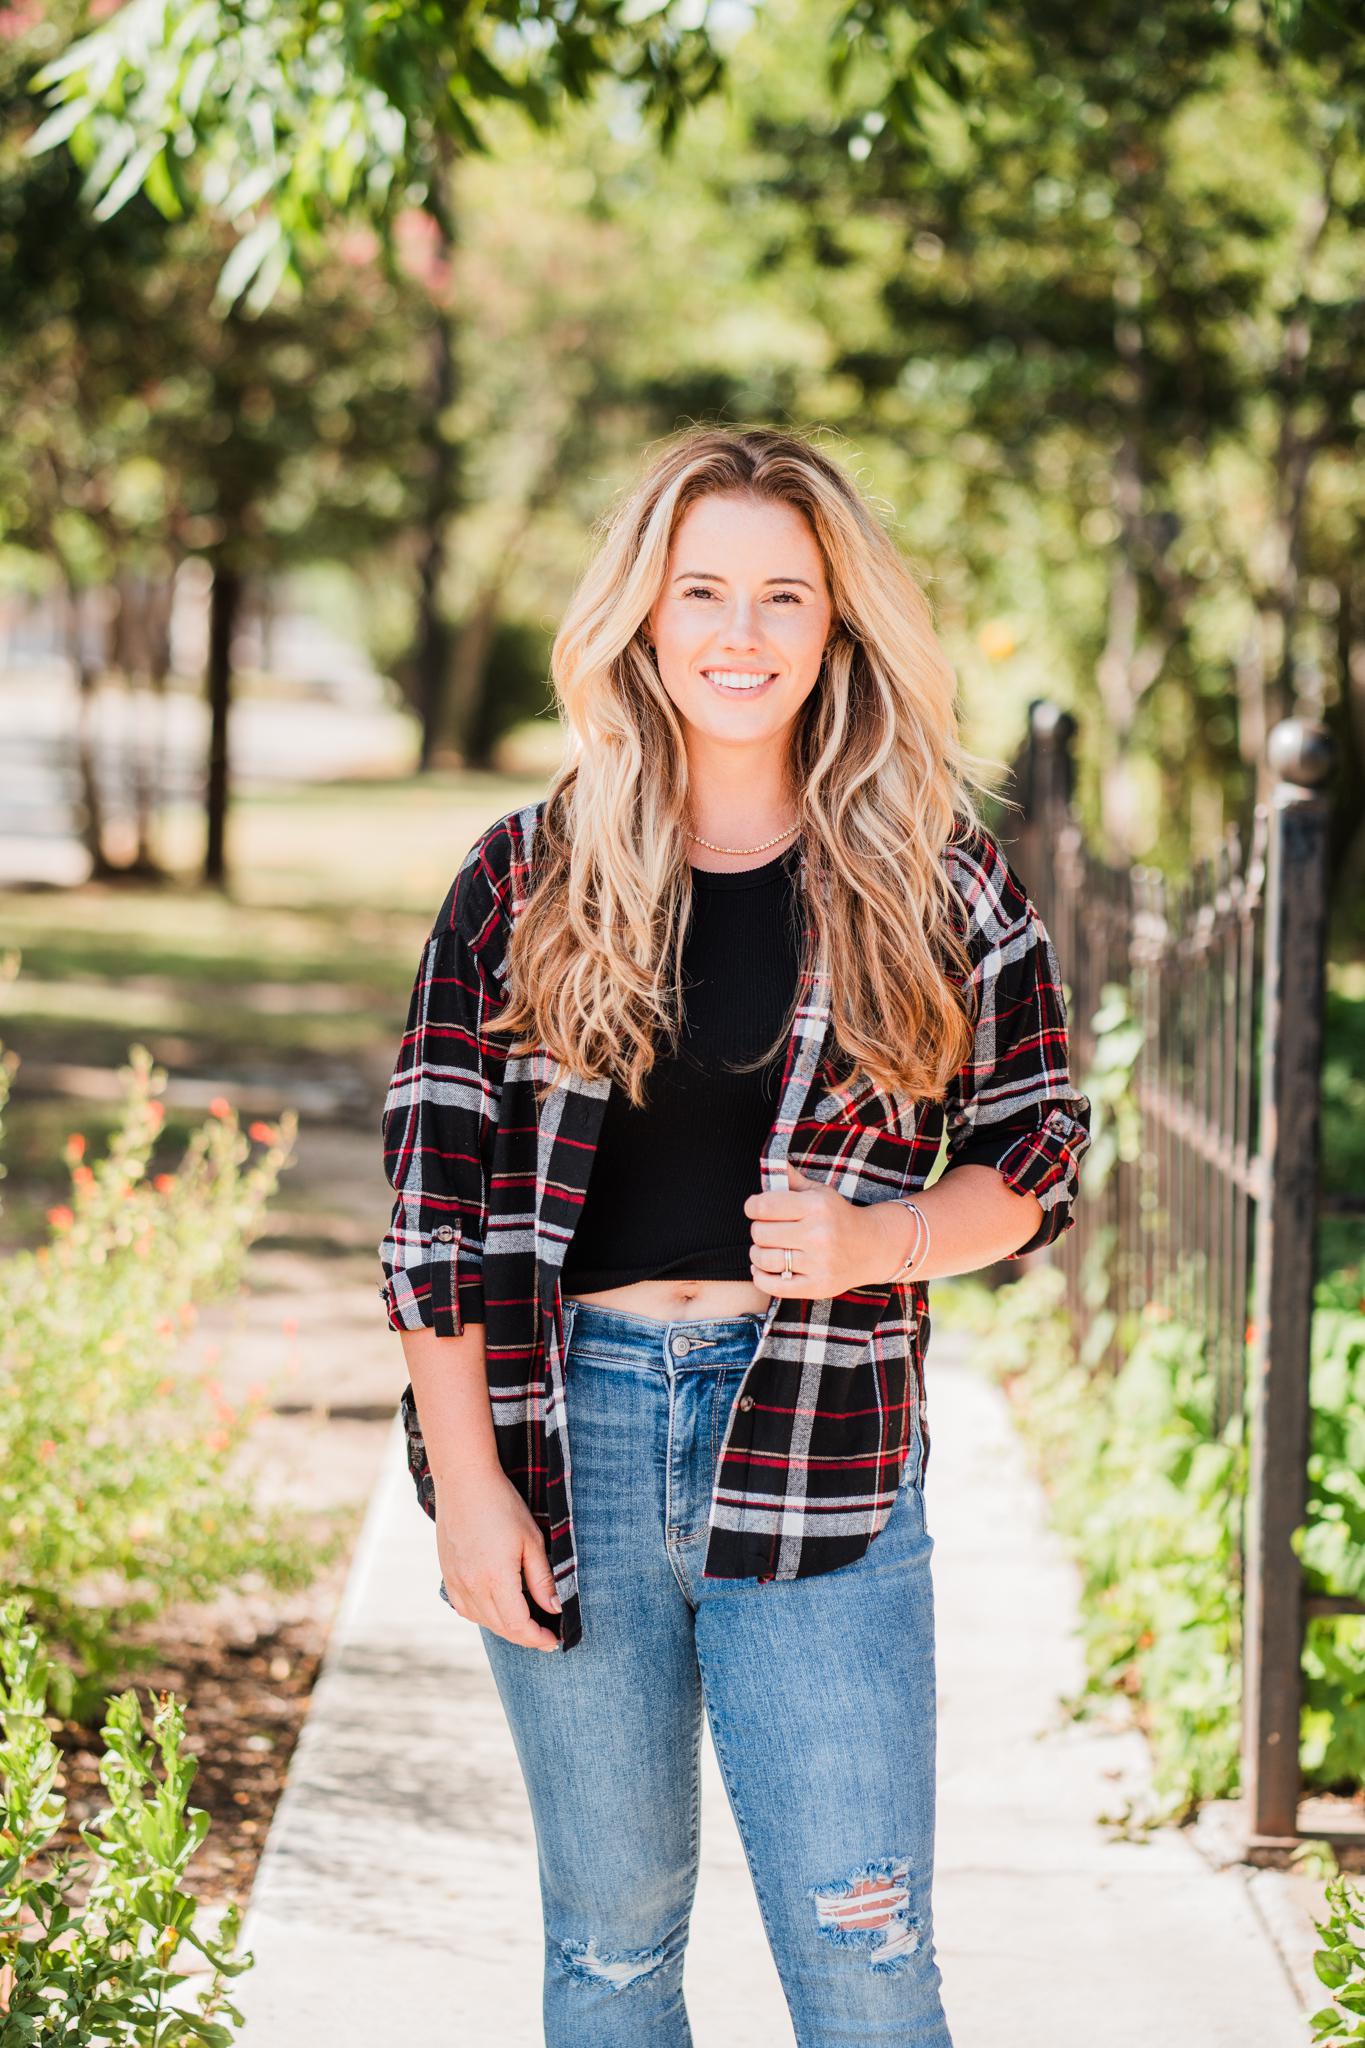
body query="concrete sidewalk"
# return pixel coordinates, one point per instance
(397, 1894)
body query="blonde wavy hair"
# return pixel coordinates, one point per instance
(878, 772)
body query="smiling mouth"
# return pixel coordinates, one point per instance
(735, 682)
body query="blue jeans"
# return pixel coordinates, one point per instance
(820, 1696)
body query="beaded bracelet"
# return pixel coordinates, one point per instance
(922, 1242)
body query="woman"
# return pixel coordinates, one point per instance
(683, 1044)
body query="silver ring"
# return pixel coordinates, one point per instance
(787, 1273)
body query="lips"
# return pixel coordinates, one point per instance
(736, 682)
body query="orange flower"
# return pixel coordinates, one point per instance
(220, 1106)
(264, 1134)
(61, 1218)
(163, 1182)
(156, 1113)
(165, 1385)
(47, 1450)
(75, 1145)
(142, 1244)
(1251, 1333)
(164, 1326)
(82, 1177)
(216, 1440)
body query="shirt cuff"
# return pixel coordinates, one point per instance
(1043, 1161)
(442, 1292)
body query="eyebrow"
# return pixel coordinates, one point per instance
(709, 576)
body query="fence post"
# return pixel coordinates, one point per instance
(1300, 755)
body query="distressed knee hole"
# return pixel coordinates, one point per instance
(590, 1965)
(870, 1909)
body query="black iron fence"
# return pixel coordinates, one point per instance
(1210, 1212)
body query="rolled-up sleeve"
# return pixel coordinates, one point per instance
(1012, 1105)
(440, 1117)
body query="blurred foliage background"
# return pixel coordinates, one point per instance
(328, 329)
(405, 292)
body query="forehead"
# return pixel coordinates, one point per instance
(719, 533)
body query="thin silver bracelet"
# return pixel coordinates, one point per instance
(919, 1251)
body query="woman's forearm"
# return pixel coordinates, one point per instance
(450, 1386)
(973, 1217)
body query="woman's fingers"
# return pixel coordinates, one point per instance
(540, 1579)
(508, 1603)
(483, 1535)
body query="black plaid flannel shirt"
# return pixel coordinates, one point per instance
(489, 1189)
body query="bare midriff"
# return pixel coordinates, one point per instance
(669, 1301)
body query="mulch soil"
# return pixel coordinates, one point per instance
(244, 1676)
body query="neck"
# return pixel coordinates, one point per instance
(738, 802)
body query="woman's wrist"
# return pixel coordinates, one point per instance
(905, 1235)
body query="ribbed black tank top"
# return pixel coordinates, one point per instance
(668, 1185)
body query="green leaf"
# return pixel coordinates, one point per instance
(244, 262)
(160, 188)
(57, 127)
(130, 179)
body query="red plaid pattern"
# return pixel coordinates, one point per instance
(489, 1188)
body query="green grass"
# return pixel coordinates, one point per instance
(302, 970)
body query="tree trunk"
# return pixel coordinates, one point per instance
(224, 604)
(431, 678)
(1345, 719)
(149, 751)
(87, 766)
(469, 661)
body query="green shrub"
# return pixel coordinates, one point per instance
(1340, 1964)
(1148, 1498)
(101, 1969)
(117, 1489)
(1151, 1499)
(1332, 1542)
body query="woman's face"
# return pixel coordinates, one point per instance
(741, 623)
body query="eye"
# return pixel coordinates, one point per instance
(701, 590)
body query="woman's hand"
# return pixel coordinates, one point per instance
(835, 1244)
(486, 1537)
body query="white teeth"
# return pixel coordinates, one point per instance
(736, 679)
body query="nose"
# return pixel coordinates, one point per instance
(741, 632)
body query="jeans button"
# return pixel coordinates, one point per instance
(681, 1346)
(746, 1401)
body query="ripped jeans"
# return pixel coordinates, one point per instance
(820, 1696)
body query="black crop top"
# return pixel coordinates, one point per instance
(668, 1184)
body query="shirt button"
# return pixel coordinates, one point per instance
(681, 1346)
(746, 1400)
(444, 1233)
